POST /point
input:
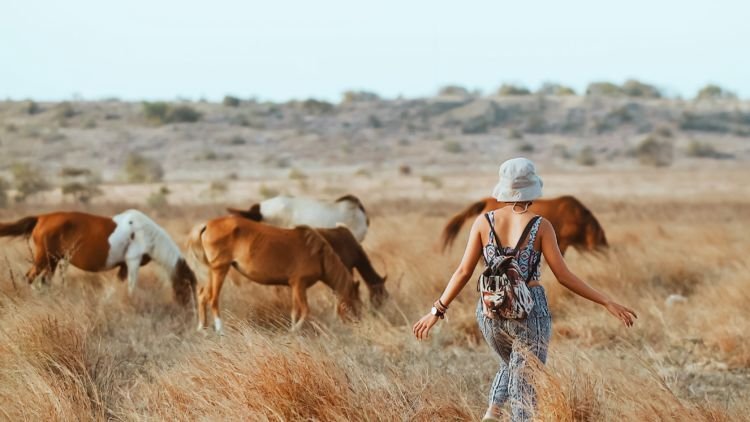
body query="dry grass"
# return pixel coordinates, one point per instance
(81, 350)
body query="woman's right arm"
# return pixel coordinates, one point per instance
(556, 262)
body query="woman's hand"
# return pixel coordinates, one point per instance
(624, 314)
(422, 327)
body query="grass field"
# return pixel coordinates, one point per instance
(82, 350)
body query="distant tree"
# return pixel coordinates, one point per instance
(4, 186)
(28, 180)
(140, 169)
(634, 88)
(80, 183)
(359, 96)
(555, 89)
(31, 107)
(655, 152)
(374, 122)
(183, 114)
(74, 172)
(586, 156)
(454, 90)
(81, 191)
(231, 101)
(714, 92)
(603, 89)
(511, 90)
(159, 199)
(156, 112)
(702, 150)
(161, 112)
(65, 110)
(313, 106)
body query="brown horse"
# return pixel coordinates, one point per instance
(96, 243)
(297, 257)
(352, 254)
(574, 224)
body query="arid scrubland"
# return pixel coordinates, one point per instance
(80, 349)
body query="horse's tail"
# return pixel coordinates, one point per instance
(454, 225)
(195, 244)
(198, 256)
(252, 214)
(22, 227)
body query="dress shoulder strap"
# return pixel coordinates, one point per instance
(493, 237)
(533, 232)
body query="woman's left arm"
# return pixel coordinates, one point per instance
(457, 282)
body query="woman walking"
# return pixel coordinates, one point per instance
(515, 322)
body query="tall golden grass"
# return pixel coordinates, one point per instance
(82, 350)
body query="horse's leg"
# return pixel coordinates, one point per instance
(204, 294)
(32, 273)
(49, 271)
(218, 274)
(40, 266)
(133, 263)
(122, 272)
(300, 310)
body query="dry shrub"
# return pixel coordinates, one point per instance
(45, 354)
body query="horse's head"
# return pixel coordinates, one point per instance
(378, 293)
(184, 283)
(594, 234)
(350, 305)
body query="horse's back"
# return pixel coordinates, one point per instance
(80, 237)
(251, 244)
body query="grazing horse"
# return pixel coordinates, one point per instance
(96, 243)
(353, 255)
(297, 257)
(289, 211)
(574, 224)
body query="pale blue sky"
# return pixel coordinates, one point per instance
(279, 50)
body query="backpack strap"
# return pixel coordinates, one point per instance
(526, 232)
(533, 267)
(493, 234)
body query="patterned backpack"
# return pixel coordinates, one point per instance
(505, 293)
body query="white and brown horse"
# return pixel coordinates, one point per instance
(289, 211)
(97, 243)
(297, 257)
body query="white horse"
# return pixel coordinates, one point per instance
(289, 211)
(137, 238)
(98, 243)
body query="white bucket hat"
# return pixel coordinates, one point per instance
(518, 181)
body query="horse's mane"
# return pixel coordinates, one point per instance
(450, 232)
(253, 213)
(587, 218)
(162, 248)
(353, 199)
(362, 261)
(334, 270)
